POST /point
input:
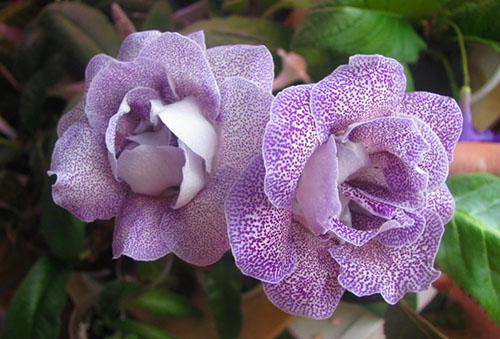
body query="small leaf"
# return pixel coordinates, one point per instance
(224, 293)
(112, 298)
(355, 27)
(243, 30)
(402, 322)
(166, 304)
(159, 17)
(470, 248)
(144, 331)
(81, 29)
(36, 307)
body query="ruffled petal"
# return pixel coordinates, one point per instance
(137, 227)
(197, 232)
(85, 185)
(135, 43)
(185, 119)
(199, 38)
(370, 86)
(441, 201)
(317, 192)
(375, 207)
(241, 123)
(312, 289)
(72, 116)
(193, 177)
(111, 84)
(441, 113)
(253, 63)
(151, 170)
(259, 233)
(289, 141)
(408, 233)
(188, 67)
(390, 271)
(351, 158)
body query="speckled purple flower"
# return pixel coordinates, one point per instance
(158, 139)
(350, 192)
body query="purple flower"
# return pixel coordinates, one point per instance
(350, 192)
(159, 137)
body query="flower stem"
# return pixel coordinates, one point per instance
(463, 53)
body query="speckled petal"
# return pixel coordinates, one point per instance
(289, 141)
(259, 233)
(253, 63)
(374, 207)
(441, 113)
(370, 86)
(151, 170)
(199, 38)
(397, 135)
(312, 290)
(390, 271)
(197, 232)
(186, 64)
(111, 84)
(85, 185)
(441, 201)
(317, 192)
(72, 116)
(135, 43)
(241, 123)
(137, 227)
(407, 234)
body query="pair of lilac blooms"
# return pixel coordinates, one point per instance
(330, 186)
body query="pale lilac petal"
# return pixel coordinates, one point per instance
(85, 185)
(160, 137)
(188, 68)
(72, 116)
(121, 125)
(111, 84)
(137, 227)
(441, 113)
(199, 38)
(135, 43)
(317, 192)
(254, 63)
(259, 233)
(351, 158)
(289, 141)
(441, 201)
(380, 135)
(138, 102)
(193, 177)
(312, 289)
(390, 271)
(241, 123)
(370, 86)
(185, 119)
(197, 232)
(407, 234)
(149, 169)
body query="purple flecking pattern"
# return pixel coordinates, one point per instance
(158, 139)
(350, 191)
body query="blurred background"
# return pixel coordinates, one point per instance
(57, 275)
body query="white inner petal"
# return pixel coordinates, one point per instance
(158, 138)
(352, 157)
(186, 120)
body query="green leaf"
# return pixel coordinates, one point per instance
(379, 308)
(112, 298)
(242, 30)
(159, 17)
(361, 27)
(36, 307)
(151, 270)
(83, 30)
(224, 293)
(478, 19)
(402, 322)
(166, 304)
(144, 331)
(470, 248)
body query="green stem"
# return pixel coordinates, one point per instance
(463, 53)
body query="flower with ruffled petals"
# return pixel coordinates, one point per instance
(350, 192)
(159, 137)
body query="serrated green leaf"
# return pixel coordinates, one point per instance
(243, 30)
(159, 17)
(144, 331)
(470, 248)
(360, 27)
(224, 293)
(81, 29)
(112, 298)
(166, 304)
(35, 310)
